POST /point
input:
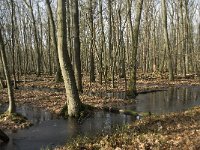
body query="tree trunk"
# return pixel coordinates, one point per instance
(38, 56)
(11, 108)
(166, 38)
(58, 76)
(13, 42)
(92, 66)
(134, 37)
(73, 100)
(77, 65)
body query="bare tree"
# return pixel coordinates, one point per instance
(38, 56)
(58, 76)
(164, 21)
(77, 65)
(134, 37)
(11, 108)
(73, 100)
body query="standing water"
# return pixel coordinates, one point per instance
(174, 99)
(49, 131)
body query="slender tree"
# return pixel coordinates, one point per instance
(77, 65)
(134, 37)
(92, 65)
(11, 107)
(166, 38)
(13, 41)
(38, 55)
(58, 76)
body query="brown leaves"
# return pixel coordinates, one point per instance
(172, 131)
(13, 122)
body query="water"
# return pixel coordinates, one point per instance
(48, 130)
(171, 100)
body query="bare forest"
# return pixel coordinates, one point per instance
(81, 59)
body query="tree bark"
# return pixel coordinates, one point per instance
(77, 65)
(38, 55)
(13, 42)
(11, 107)
(134, 37)
(73, 100)
(166, 38)
(92, 66)
(58, 76)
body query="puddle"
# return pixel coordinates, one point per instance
(49, 131)
(171, 100)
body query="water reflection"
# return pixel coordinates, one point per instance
(118, 95)
(34, 114)
(172, 100)
(50, 131)
(59, 131)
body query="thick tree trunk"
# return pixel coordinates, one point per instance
(73, 100)
(11, 108)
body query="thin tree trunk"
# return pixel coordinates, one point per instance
(134, 37)
(13, 42)
(77, 65)
(166, 38)
(58, 76)
(38, 56)
(92, 66)
(11, 108)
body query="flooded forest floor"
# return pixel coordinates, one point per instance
(174, 130)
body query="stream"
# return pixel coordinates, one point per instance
(49, 130)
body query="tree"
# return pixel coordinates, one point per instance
(38, 55)
(77, 65)
(11, 107)
(166, 38)
(13, 41)
(134, 37)
(92, 65)
(73, 100)
(58, 76)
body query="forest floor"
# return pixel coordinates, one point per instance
(177, 131)
(43, 92)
